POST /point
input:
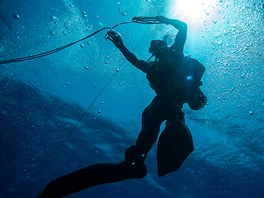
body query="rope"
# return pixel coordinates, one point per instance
(51, 51)
(57, 49)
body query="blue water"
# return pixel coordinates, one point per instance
(83, 105)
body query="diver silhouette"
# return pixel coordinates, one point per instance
(176, 80)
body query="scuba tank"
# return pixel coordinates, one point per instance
(194, 72)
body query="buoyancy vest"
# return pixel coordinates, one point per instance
(178, 80)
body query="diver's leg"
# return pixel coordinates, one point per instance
(152, 118)
(132, 167)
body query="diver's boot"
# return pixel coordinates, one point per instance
(132, 167)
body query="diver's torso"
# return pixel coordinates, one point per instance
(167, 77)
(167, 82)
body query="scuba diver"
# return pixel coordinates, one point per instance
(176, 80)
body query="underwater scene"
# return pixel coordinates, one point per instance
(69, 98)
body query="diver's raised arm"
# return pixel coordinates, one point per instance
(116, 39)
(181, 37)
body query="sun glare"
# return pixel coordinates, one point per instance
(192, 10)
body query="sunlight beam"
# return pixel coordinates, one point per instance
(192, 11)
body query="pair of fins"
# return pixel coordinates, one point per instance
(173, 149)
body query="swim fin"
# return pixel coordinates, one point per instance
(92, 176)
(174, 146)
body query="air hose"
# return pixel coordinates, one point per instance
(141, 20)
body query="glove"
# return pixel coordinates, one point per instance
(163, 19)
(115, 38)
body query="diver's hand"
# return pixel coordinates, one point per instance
(163, 19)
(115, 38)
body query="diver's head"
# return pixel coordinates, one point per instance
(157, 47)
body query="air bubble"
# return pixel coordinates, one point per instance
(250, 112)
(82, 45)
(123, 13)
(15, 16)
(84, 14)
(67, 25)
(54, 19)
(52, 33)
